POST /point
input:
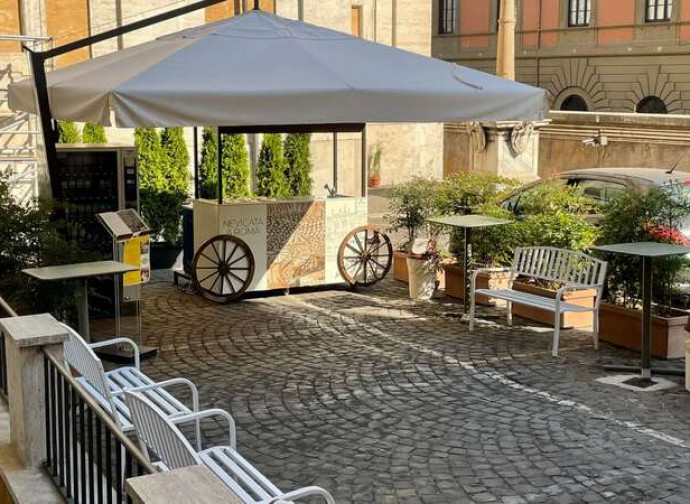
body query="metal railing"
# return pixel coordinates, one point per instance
(88, 457)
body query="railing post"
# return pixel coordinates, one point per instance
(26, 338)
(190, 484)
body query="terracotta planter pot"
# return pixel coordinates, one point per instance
(455, 283)
(579, 298)
(400, 266)
(374, 181)
(623, 327)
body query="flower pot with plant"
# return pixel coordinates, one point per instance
(466, 193)
(634, 217)
(375, 167)
(409, 206)
(554, 216)
(423, 267)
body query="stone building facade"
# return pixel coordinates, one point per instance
(594, 55)
(407, 149)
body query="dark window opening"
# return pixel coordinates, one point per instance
(579, 12)
(574, 103)
(651, 105)
(659, 10)
(448, 16)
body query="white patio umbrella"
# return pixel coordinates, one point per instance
(259, 69)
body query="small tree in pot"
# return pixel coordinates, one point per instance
(634, 217)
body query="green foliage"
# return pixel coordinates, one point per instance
(459, 194)
(163, 190)
(208, 168)
(272, 181)
(410, 204)
(94, 134)
(175, 148)
(30, 238)
(298, 160)
(236, 173)
(635, 217)
(68, 132)
(551, 199)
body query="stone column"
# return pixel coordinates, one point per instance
(25, 340)
(506, 148)
(195, 484)
(505, 47)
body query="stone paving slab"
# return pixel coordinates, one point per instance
(381, 399)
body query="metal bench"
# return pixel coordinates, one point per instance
(573, 270)
(160, 435)
(108, 388)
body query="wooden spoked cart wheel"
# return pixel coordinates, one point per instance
(223, 268)
(365, 256)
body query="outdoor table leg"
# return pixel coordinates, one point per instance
(466, 266)
(82, 299)
(646, 318)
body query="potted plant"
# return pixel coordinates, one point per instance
(633, 217)
(466, 193)
(556, 216)
(375, 167)
(410, 205)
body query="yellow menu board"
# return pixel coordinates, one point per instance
(136, 253)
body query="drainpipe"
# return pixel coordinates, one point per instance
(505, 52)
(300, 10)
(541, 4)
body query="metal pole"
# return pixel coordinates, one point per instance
(196, 163)
(466, 266)
(335, 162)
(646, 317)
(364, 161)
(220, 168)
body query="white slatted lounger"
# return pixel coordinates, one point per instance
(573, 270)
(159, 434)
(108, 388)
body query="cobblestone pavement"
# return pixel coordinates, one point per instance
(383, 400)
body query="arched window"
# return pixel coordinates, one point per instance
(651, 105)
(574, 103)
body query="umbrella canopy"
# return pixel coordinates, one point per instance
(260, 69)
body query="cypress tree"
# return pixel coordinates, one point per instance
(298, 163)
(68, 132)
(94, 134)
(175, 148)
(235, 167)
(271, 171)
(208, 168)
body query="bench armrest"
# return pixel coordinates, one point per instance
(165, 384)
(300, 493)
(210, 413)
(120, 341)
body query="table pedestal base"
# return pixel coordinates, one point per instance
(635, 369)
(123, 354)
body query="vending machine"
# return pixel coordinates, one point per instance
(90, 179)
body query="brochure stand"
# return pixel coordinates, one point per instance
(130, 235)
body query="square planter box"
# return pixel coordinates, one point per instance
(455, 283)
(401, 274)
(580, 298)
(623, 327)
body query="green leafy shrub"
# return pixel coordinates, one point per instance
(460, 193)
(68, 132)
(162, 190)
(30, 237)
(271, 176)
(409, 206)
(375, 161)
(236, 173)
(177, 166)
(549, 199)
(94, 134)
(208, 168)
(297, 156)
(634, 217)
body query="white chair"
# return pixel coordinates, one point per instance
(159, 434)
(108, 388)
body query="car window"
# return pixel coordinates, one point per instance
(601, 191)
